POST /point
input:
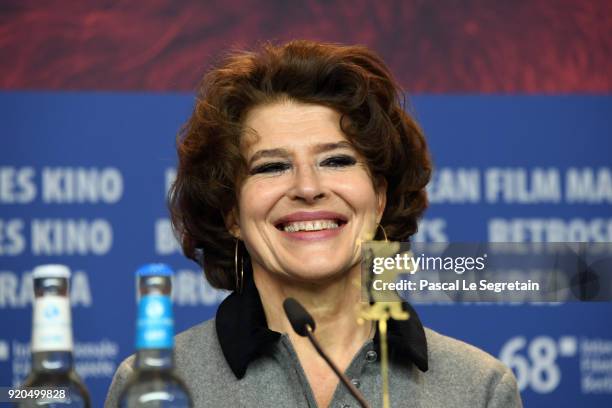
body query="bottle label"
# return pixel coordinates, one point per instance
(51, 325)
(155, 326)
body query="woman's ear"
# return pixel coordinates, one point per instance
(381, 197)
(231, 223)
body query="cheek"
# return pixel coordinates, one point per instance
(358, 191)
(257, 198)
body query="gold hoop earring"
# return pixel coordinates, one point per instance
(383, 230)
(239, 280)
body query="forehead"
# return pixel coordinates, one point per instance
(290, 125)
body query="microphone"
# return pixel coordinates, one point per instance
(299, 318)
(303, 324)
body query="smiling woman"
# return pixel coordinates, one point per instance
(308, 199)
(293, 157)
(220, 147)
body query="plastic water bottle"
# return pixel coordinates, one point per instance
(154, 383)
(52, 361)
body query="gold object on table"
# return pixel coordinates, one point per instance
(381, 311)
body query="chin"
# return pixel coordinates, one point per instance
(318, 272)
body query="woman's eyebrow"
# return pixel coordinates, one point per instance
(268, 153)
(324, 147)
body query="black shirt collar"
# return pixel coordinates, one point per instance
(243, 332)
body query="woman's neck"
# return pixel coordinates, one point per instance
(334, 306)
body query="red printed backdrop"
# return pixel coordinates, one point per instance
(526, 46)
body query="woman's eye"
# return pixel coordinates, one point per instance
(273, 167)
(339, 161)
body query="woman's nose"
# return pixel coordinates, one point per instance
(307, 185)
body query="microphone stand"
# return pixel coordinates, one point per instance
(340, 374)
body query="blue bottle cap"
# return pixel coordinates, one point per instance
(154, 269)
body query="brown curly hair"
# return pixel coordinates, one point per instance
(350, 79)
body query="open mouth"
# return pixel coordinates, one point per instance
(310, 225)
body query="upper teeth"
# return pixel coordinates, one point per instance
(310, 225)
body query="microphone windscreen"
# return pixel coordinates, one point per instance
(298, 316)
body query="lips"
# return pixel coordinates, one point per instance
(310, 221)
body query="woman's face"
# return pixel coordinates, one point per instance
(308, 199)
